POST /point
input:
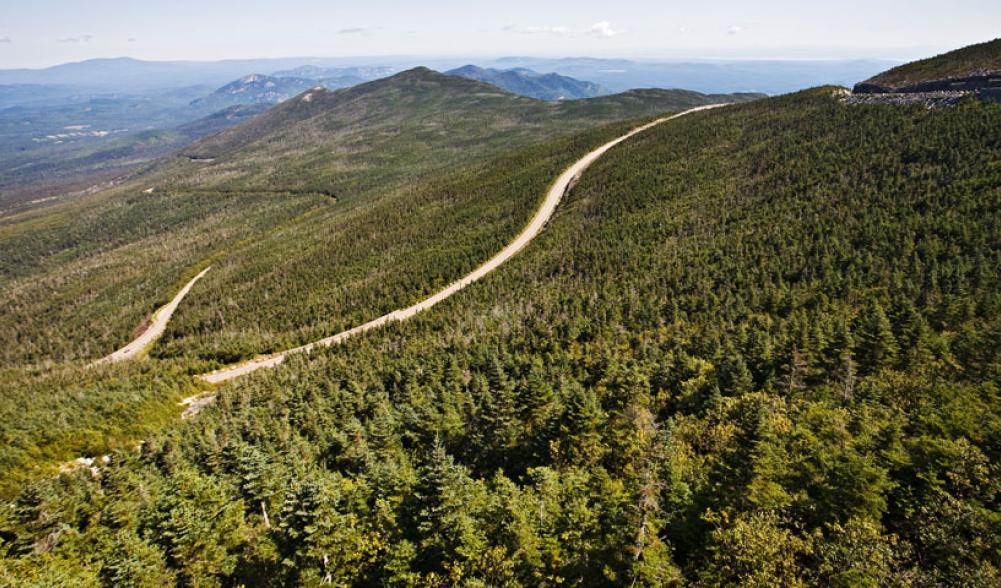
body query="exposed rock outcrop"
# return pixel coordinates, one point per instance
(932, 93)
(988, 80)
(974, 70)
(929, 99)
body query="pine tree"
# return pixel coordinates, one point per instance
(913, 337)
(650, 560)
(537, 395)
(500, 408)
(134, 563)
(322, 540)
(735, 378)
(443, 498)
(256, 480)
(580, 426)
(795, 371)
(877, 345)
(760, 355)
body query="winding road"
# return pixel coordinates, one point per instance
(562, 185)
(155, 329)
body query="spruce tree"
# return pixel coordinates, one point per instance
(877, 345)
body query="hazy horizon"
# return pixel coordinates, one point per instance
(490, 60)
(53, 32)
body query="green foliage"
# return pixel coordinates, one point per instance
(81, 279)
(53, 417)
(77, 281)
(343, 207)
(855, 554)
(754, 551)
(136, 564)
(757, 346)
(971, 60)
(877, 348)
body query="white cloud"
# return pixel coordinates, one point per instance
(602, 29)
(540, 30)
(734, 29)
(80, 39)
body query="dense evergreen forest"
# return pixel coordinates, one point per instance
(968, 61)
(314, 217)
(759, 346)
(327, 269)
(335, 205)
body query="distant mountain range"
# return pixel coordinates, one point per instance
(709, 76)
(526, 82)
(71, 124)
(125, 75)
(134, 75)
(316, 72)
(282, 85)
(71, 114)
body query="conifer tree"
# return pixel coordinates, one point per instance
(877, 347)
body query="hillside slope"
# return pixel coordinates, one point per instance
(344, 174)
(382, 228)
(442, 120)
(758, 346)
(966, 68)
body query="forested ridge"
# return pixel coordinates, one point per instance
(977, 59)
(323, 270)
(756, 346)
(345, 207)
(292, 209)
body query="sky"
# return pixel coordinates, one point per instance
(40, 33)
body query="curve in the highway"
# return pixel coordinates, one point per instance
(534, 227)
(155, 329)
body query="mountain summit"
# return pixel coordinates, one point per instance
(527, 82)
(438, 109)
(255, 89)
